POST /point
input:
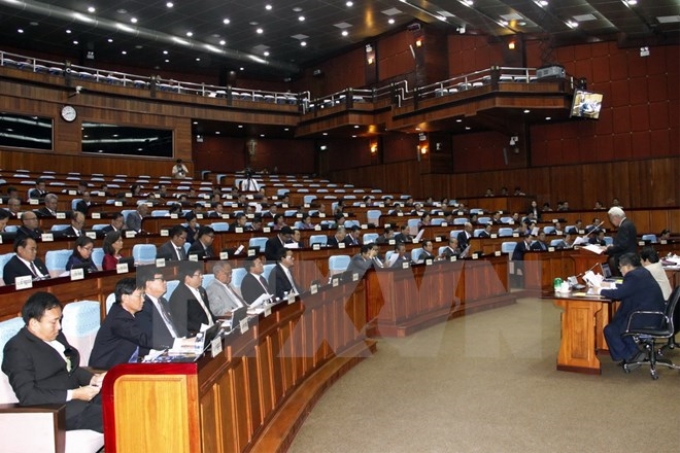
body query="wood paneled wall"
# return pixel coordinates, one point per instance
(641, 183)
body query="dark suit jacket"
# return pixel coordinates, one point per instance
(71, 232)
(118, 338)
(35, 234)
(133, 221)
(279, 283)
(484, 234)
(76, 261)
(198, 249)
(107, 229)
(538, 245)
(272, 248)
(38, 373)
(167, 251)
(150, 322)
(84, 207)
(639, 291)
(463, 240)
(16, 268)
(625, 240)
(520, 249)
(44, 213)
(403, 238)
(251, 289)
(449, 252)
(187, 312)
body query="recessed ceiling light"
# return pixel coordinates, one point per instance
(241, 68)
(20, 30)
(198, 58)
(572, 24)
(124, 52)
(286, 129)
(297, 9)
(467, 128)
(459, 120)
(261, 135)
(110, 40)
(90, 9)
(218, 132)
(542, 3)
(547, 118)
(390, 21)
(33, 24)
(349, 4)
(354, 136)
(468, 2)
(527, 111)
(195, 123)
(630, 2)
(266, 53)
(356, 126)
(301, 18)
(190, 34)
(223, 42)
(169, 4)
(75, 42)
(240, 126)
(325, 133)
(165, 52)
(268, 7)
(226, 21)
(139, 46)
(68, 32)
(167, 61)
(345, 33)
(303, 43)
(121, 11)
(133, 20)
(259, 31)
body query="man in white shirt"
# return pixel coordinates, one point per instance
(189, 303)
(650, 260)
(222, 296)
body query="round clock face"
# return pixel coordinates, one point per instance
(68, 113)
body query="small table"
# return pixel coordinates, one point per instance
(582, 324)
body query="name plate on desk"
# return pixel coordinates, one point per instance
(128, 194)
(497, 253)
(453, 258)
(199, 216)
(313, 289)
(322, 215)
(122, 268)
(165, 232)
(416, 241)
(72, 192)
(551, 249)
(475, 256)
(24, 282)
(267, 311)
(266, 230)
(391, 242)
(160, 262)
(118, 203)
(641, 243)
(581, 231)
(316, 246)
(290, 298)
(216, 346)
(225, 216)
(174, 216)
(298, 215)
(33, 201)
(494, 236)
(317, 227)
(341, 245)
(0, 239)
(444, 224)
(355, 277)
(91, 234)
(224, 255)
(47, 237)
(400, 214)
(345, 215)
(243, 325)
(438, 239)
(250, 216)
(335, 282)
(388, 225)
(96, 215)
(60, 215)
(251, 252)
(306, 205)
(284, 205)
(428, 262)
(362, 205)
(364, 226)
(250, 197)
(130, 234)
(663, 242)
(193, 257)
(404, 265)
(238, 230)
(515, 235)
(77, 274)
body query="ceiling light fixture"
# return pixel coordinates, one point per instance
(345, 33)
(303, 43)
(110, 40)
(349, 4)
(226, 21)
(268, 7)
(572, 24)
(75, 42)
(390, 21)
(133, 20)
(223, 42)
(190, 34)
(259, 31)
(91, 9)
(68, 32)
(169, 4)
(301, 18)
(20, 30)
(124, 52)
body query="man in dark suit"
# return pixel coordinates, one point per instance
(117, 223)
(452, 249)
(402, 256)
(277, 243)
(403, 235)
(202, 246)
(155, 319)
(24, 262)
(625, 240)
(465, 236)
(254, 285)
(173, 250)
(486, 233)
(13, 208)
(44, 369)
(76, 227)
(362, 261)
(119, 339)
(340, 236)
(29, 226)
(521, 248)
(189, 303)
(85, 204)
(427, 252)
(218, 210)
(638, 292)
(39, 191)
(540, 243)
(353, 238)
(281, 281)
(50, 208)
(134, 219)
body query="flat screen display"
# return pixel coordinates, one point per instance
(586, 105)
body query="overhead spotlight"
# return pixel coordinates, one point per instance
(461, 29)
(644, 51)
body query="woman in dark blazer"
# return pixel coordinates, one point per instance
(82, 255)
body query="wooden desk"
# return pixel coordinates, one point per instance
(582, 325)
(251, 397)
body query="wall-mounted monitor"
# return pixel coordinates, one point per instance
(25, 131)
(586, 105)
(128, 140)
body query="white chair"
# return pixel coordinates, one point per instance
(258, 242)
(80, 324)
(98, 257)
(171, 286)
(55, 260)
(237, 276)
(413, 225)
(3, 260)
(110, 299)
(207, 279)
(508, 247)
(477, 232)
(504, 232)
(369, 238)
(318, 239)
(649, 237)
(267, 270)
(144, 254)
(549, 229)
(8, 329)
(220, 227)
(338, 264)
(415, 254)
(373, 216)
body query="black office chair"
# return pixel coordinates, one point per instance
(647, 336)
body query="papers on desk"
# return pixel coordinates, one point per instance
(593, 279)
(419, 236)
(291, 245)
(581, 240)
(594, 248)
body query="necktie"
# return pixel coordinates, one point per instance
(203, 302)
(34, 270)
(167, 317)
(135, 356)
(180, 253)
